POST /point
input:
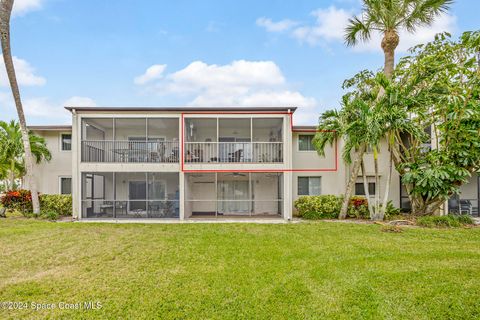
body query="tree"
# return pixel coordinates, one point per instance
(364, 121)
(438, 86)
(388, 17)
(355, 123)
(5, 13)
(12, 153)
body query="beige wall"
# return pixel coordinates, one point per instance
(47, 174)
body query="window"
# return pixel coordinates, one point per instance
(66, 142)
(65, 185)
(305, 142)
(309, 186)
(360, 191)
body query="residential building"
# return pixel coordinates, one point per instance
(196, 163)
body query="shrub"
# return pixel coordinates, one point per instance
(59, 203)
(318, 207)
(49, 215)
(448, 221)
(358, 208)
(391, 210)
(19, 200)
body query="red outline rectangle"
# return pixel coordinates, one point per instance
(258, 170)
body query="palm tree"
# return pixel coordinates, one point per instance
(390, 16)
(5, 13)
(12, 149)
(351, 125)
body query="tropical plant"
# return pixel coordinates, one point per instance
(6, 7)
(12, 150)
(438, 87)
(388, 17)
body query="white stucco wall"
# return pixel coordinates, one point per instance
(47, 174)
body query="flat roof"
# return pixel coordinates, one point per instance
(51, 128)
(185, 109)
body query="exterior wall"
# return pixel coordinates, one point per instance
(47, 174)
(332, 170)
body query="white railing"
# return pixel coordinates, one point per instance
(130, 151)
(205, 152)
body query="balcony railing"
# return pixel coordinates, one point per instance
(256, 152)
(130, 151)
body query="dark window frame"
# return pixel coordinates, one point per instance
(300, 189)
(309, 144)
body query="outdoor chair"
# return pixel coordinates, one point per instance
(235, 156)
(465, 207)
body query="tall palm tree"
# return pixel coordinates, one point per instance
(388, 17)
(12, 149)
(5, 13)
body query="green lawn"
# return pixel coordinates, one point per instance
(232, 271)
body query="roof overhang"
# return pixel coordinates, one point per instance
(182, 109)
(51, 128)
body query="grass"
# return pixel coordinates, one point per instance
(240, 271)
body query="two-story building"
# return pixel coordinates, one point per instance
(195, 163)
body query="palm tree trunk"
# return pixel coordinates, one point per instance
(367, 192)
(377, 184)
(5, 13)
(390, 42)
(355, 168)
(12, 175)
(387, 188)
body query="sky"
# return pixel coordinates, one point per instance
(193, 53)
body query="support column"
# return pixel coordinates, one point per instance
(181, 191)
(76, 179)
(287, 194)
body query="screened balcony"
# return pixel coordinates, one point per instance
(224, 140)
(130, 195)
(137, 140)
(233, 194)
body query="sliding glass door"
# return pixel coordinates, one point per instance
(233, 197)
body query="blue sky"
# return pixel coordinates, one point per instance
(203, 53)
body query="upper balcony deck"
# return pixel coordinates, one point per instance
(216, 140)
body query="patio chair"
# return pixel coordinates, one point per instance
(235, 156)
(465, 207)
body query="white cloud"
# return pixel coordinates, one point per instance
(24, 71)
(330, 24)
(77, 101)
(152, 73)
(279, 26)
(42, 110)
(240, 83)
(20, 7)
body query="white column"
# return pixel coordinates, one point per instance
(76, 178)
(181, 191)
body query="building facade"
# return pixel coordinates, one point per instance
(197, 163)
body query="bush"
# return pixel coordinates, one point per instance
(358, 208)
(59, 203)
(318, 207)
(49, 215)
(21, 200)
(18, 200)
(448, 221)
(391, 210)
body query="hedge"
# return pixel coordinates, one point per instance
(21, 200)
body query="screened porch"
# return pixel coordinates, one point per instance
(130, 195)
(233, 194)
